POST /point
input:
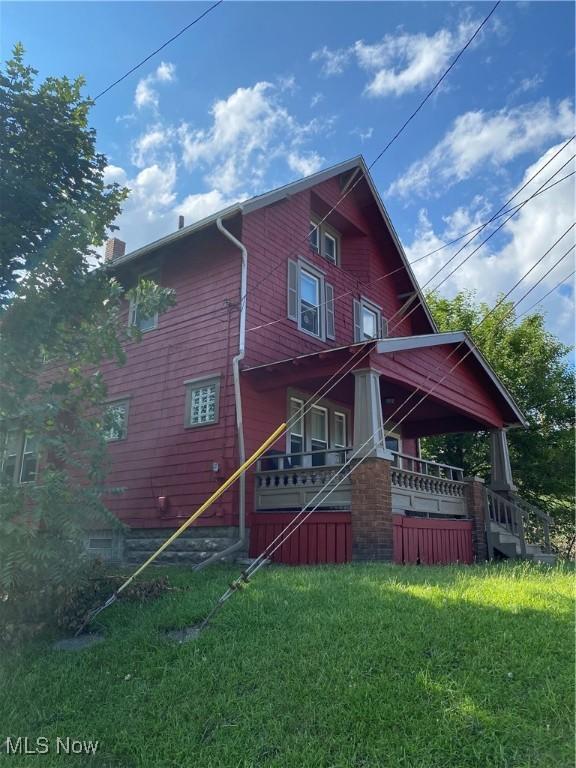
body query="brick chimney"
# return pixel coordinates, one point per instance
(115, 248)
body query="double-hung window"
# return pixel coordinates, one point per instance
(368, 321)
(19, 457)
(320, 432)
(310, 300)
(296, 421)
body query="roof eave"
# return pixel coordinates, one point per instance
(405, 343)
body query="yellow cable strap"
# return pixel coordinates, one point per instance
(216, 495)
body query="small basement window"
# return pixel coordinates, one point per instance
(202, 401)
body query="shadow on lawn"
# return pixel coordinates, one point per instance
(355, 667)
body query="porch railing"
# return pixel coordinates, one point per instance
(427, 468)
(290, 481)
(529, 524)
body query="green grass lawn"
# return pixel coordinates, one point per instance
(350, 667)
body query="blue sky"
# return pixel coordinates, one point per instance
(259, 94)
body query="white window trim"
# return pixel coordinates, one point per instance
(327, 405)
(150, 274)
(322, 230)
(19, 463)
(396, 435)
(198, 383)
(119, 401)
(334, 419)
(304, 266)
(381, 322)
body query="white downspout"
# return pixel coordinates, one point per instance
(238, 402)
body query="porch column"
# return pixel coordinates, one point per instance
(372, 531)
(501, 472)
(368, 422)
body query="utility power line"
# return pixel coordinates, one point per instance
(151, 55)
(281, 538)
(389, 144)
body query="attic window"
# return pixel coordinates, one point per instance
(324, 240)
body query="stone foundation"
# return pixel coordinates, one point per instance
(133, 546)
(372, 530)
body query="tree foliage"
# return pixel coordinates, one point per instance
(62, 316)
(533, 365)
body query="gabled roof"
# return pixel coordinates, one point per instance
(404, 343)
(260, 201)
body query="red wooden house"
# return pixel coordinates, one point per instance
(269, 307)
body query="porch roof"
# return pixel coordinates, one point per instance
(414, 362)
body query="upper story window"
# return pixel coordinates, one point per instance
(116, 421)
(202, 401)
(368, 321)
(310, 300)
(325, 241)
(137, 317)
(19, 457)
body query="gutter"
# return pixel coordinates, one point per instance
(238, 402)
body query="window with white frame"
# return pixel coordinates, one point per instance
(202, 401)
(19, 457)
(296, 435)
(320, 432)
(138, 317)
(392, 442)
(339, 436)
(324, 240)
(116, 420)
(310, 300)
(368, 323)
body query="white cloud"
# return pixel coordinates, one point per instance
(316, 99)
(529, 84)
(398, 63)
(304, 164)
(249, 130)
(363, 135)
(404, 62)
(148, 147)
(527, 236)
(333, 62)
(477, 138)
(146, 95)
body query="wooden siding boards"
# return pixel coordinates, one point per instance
(200, 335)
(272, 234)
(463, 388)
(160, 457)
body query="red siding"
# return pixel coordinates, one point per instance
(272, 234)
(465, 388)
(160, 457)
(323, 538)
(432, 542)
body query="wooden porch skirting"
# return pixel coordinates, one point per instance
(432, 541)
(325, 537)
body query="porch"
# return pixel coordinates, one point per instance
(396, 504)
